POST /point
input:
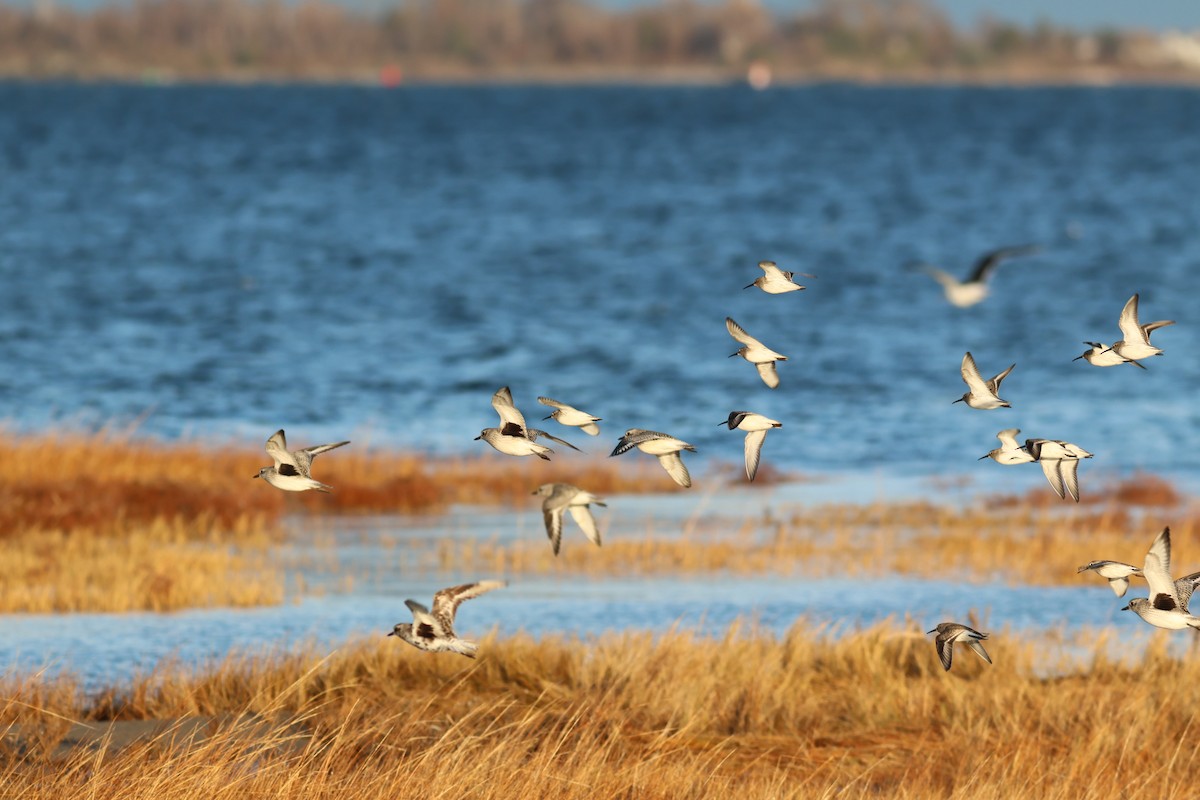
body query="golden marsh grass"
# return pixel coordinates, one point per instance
(746, 714)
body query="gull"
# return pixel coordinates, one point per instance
(775, 280)
(756, 353)
(573, 417)
(756, 427)
(1166, 607)
(1136, 344)
(434, 632)
(1009, 452)
(292, 469)
(1117, 574)
(950, 632)
(562, 497)
(983, 394)
(513, 437)
(667, 448)
(1060, 463)
(974, 289)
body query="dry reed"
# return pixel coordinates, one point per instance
(870, 714)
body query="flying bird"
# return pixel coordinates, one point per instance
(756, 427)
(983, 394)
(292, 470)
(1117, 574)
(563, 497)
(1009, 452)
(950, 632)
(754, 351)
(975, 288)
(775, 280)
(1060, 464)
(1136, 342)
(1167, 605)
(572, 417)
(434, 631)
(666, 448)
(513, 437)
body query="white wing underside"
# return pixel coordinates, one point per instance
(1157, 570)
(675, 467)
(1131, 331)
(754, 443)
(587, 522)
(766, 371)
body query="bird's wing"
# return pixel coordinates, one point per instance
(1128, 323)
(944, 278)
(988, 261)
(945, 648)
(994, 383)
(534, 433)
(770, 269)
(675, 467)
(546, 401)
(977, 646)
(739, 333)
(554, 525)
(1069, 469)
(1153, 326)
(446, 602)
(277, 449)
(633, 438)
(323, 448)
(971, 376)
(766, 371)
(591, 429)
(1008, 438)
(583, 516)
(1185, 587)
(1119, 586)
(503, 403)
(1051, 468)
(754, 443)
(1157, 570)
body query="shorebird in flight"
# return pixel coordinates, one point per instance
(758, 354)
(982, 394)
(950, 632)
(572, 417)
(1167, 605)
(513, 438)
(1117, 573)
(1060, 464)
(434, 631)
(292, 470)
(756, 427)
(975, 288)
(666, 448)
(777, 281)
(1009, 452)
(563, 497)
(1136, 342)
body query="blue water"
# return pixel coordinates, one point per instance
(371, 264)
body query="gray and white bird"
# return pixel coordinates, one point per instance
(1101, 355)
(982, 394)
(1117, 573)
(1136, 342)
(292, 470)
(950, 632)
(777, 281)
(1009, 452)
(756, 427)
(665, 448)
(513, 437)
(754, 351)
(975, 288)
(434, 631)
(572, 417)
(561, 498)
(1060, 464)
(1167, 605)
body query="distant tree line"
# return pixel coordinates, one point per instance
(542, 39)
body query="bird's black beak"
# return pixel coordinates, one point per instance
(959, 400)
(981, 458)
(731, 355)
(254, 476)
(722, 422)
(480, 436)
(747, 287)
(535, 491)
(549, 417)
(932, 631)
(1124, 608)
(391, 633)
(1076, 358)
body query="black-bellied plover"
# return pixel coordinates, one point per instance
(434, 632)
(756, 427)
(292, 470)
(666, 448)
(513, 437)
(775, 280)
(950, 632)
(1060, 464)
(975, 288)
(754, 351)
(1009, 452)
(563, 497)
(1116, 573)
(572, 417)
(1166, 607)
(1136, 342)
(983, 394)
